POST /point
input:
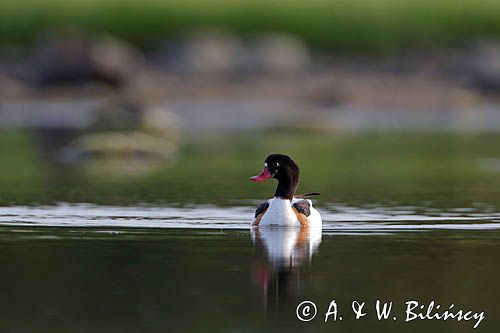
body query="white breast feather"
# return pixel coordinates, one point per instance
(279, 212)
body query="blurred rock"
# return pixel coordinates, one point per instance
(482, 64)
(162, 122)
(207, 52)
(280, 54)
(11, 87)
(115, 59)
(218, 52)
(125, 144)
(111, 154)
(74, 59)
(153, 139)
(117, 116)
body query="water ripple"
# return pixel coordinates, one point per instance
(337, 218)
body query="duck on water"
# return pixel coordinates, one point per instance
(286, 208)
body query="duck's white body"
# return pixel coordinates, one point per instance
(281, 213)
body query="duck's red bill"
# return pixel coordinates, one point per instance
(263, 175)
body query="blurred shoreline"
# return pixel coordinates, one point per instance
(214, 81)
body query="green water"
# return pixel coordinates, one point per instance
(435, 170)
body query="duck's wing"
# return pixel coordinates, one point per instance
(302, 209)
(261, 210)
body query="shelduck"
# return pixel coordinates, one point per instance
(286, 208)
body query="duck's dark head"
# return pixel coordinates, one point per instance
(285, 170)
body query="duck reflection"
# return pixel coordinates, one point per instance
(286, 251)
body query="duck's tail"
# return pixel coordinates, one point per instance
(305, 196)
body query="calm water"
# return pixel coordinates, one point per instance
(129, 246)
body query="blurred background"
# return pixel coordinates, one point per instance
(380, 102)
(129, 128)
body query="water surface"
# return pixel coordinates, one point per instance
(92, 268)
(127, 246)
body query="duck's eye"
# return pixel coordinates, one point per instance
(276, 164)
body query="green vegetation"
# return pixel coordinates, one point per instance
(436, 170)
(338, 24)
